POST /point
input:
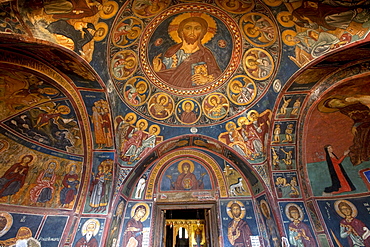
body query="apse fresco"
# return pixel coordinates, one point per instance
(36, 179)
(186, 175)
(346, 109)
(21, 89)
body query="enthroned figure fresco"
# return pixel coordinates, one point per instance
(186, 175)
(249, 138)
(133, 138)
(190, 49)
(188, 62)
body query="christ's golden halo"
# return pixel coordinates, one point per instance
(211, 31)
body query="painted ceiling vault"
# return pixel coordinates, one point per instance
(110, 110)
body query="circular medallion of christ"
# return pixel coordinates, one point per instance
(190, 49)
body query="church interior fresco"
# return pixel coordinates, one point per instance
(111, 107)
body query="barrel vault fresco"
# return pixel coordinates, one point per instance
(113, 110)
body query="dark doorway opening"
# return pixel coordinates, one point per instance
(189, 225)
(185, 227)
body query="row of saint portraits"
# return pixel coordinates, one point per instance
(242, 223)
(215, 106)
(37, 179)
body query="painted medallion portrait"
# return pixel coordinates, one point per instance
(188, 111)
(190, 51)
(241, 90)
(161, 106)
(146, 9)
(127, 32)
(136, 91)
(124, 64)
(258, 29)
(237, 7)
(101, 31)
(258, 64)
(216, 106)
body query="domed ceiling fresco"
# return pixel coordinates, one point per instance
(113, 112)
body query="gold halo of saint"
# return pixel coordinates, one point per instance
(241, 90)
(236, 6)
(242, 208)
(250, 118)
(215, 106)
(147, 210)
(288, 37)
(191, 166)
(8, 220)
(258, 64)
(230, 126)
(133, 119)
(211, 31)
(109, 9)
(136, 91)
(258, 29)
(285, 19)
(188, 102)
(263, 202)
(101, 31)
(33, 161)
(127, 31)
(64, 110)
(50, 162)
(138, 124)
(242, 121)
(50, 91)
(273, 3)
(4, 145)
(123, 64)
(349, 204)
(158, 129)
(160, 106)
(332, 104)
(142, 87)
(185, 114)
(146, 9)
(248, 30)
(69, 167)
(301, 215)
(89, 222)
